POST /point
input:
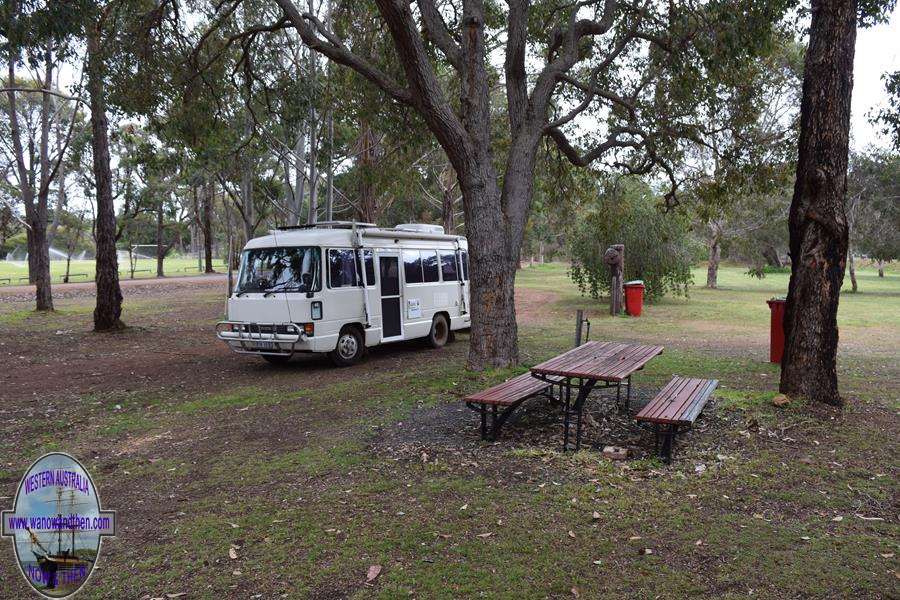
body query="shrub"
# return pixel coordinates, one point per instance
(658, 248)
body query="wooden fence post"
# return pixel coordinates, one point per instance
(579, 318)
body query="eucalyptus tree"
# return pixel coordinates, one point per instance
(37, 37)
(873, 208)
(888, 118)
(817, 225)
(593, 76)
(746, 152)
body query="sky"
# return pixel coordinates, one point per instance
(877, 51)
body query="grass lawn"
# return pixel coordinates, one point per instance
(16, 272)
(313, 474)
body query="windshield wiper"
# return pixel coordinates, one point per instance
(274, 290)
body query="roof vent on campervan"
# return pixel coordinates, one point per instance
(420, 228)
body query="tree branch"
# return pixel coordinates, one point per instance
(583, 160)
(336, 51)
(437, 32)
(514, 65)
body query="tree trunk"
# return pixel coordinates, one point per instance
(771, 255)
(494, 339)
(365, 163)
(313, 214)
(209, 192)
(108, 311)
(329, 176)
(44, 294)
(818, 224)
(712, 269)
(852, 268)
(160, 248)
(447, 203)
(880, 268)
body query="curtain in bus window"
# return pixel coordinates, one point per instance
(448, 266)
(412, 266)
(341, 268)
(430, 266)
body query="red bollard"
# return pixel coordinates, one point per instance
(634, 297)
(776, 329)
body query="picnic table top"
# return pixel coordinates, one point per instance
(604, 361)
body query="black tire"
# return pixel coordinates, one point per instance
(350, 348)
(276, 359)
(440, 332)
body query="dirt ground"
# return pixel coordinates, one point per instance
(122, 401)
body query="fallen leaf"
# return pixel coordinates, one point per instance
(232, 554)
(236, 572)
(598, 562)
(596, 515)
(805, 538)
(634, 537)
(646, 551)
(485, 535)
(698, 543)
(838, 519)
(464, 507)
(571, 534)
(574, 591)
(374, 572)
(176, 595)
(234, 525)
(887, 555)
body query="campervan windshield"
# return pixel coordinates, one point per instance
(280, 270)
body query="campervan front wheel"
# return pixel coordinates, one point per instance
(349, 349)
(440, 331)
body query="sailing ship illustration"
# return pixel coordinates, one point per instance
(69, 565)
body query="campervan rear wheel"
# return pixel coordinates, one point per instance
(440, 331)
(349, 349)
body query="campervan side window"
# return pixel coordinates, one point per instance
(465, 262)
(343, 268)
(448, 266)
(430, 266)
(412, 266)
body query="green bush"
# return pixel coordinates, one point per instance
(658, 248)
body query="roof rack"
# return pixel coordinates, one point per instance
(327, 225)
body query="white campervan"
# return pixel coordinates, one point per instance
(304, 289)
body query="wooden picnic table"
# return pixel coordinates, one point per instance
(611, 363)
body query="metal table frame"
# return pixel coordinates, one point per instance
(584, 386)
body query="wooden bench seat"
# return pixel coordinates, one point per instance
(507, 396)
(676, 407)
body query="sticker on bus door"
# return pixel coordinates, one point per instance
(413, 309)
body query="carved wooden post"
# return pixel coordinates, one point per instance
(615, 258)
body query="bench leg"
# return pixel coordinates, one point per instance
(566, 405)
(494, 425)
(483, 412)
(668, 434)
